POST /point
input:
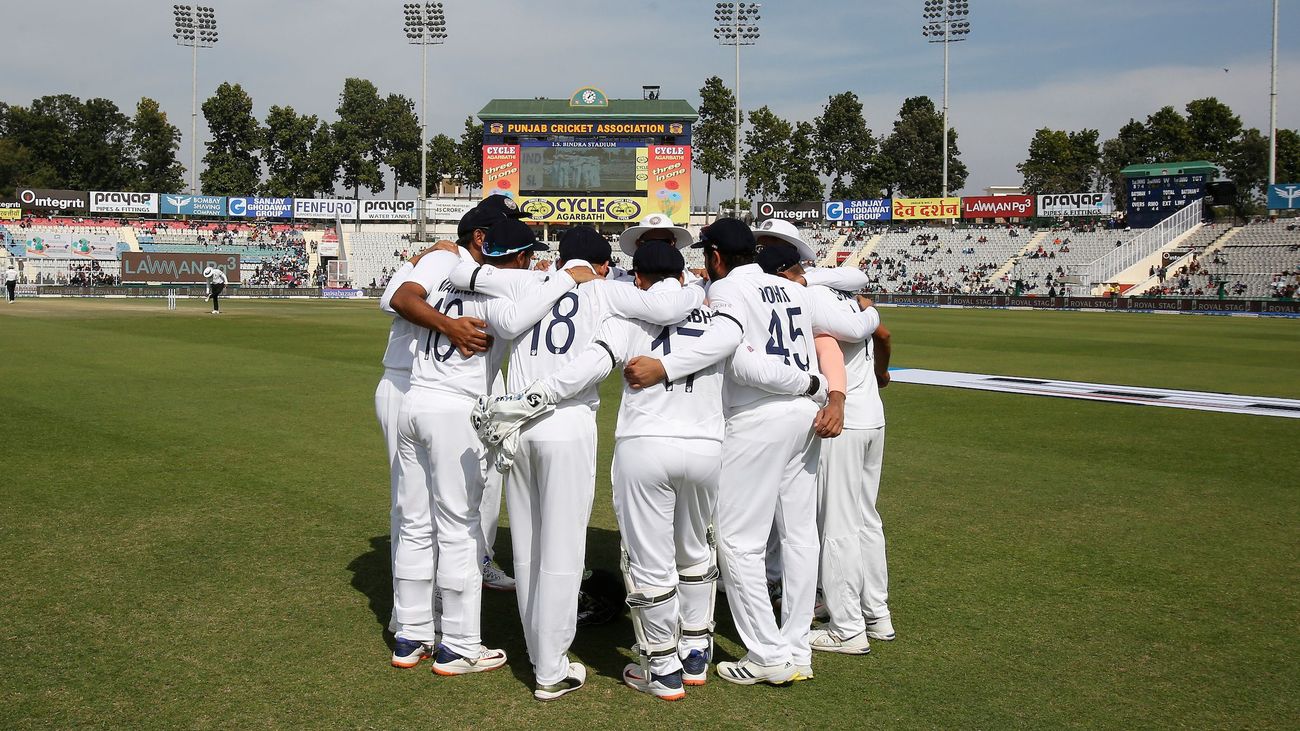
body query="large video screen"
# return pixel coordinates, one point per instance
(578, 169)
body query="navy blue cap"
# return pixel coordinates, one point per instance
(584, 242)
(503, 205)
(775, 259)
(510, 236)
(658, 257)
(728, 236)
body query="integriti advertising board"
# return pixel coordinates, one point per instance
(805, 212)
(47, 199)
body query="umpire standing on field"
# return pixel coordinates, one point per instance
(216, 284)
(11, 281)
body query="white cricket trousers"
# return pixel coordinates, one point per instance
(388, 406)
(665, 492)
(769, 471)
(548, 494)
(855, 580)
(439, 537)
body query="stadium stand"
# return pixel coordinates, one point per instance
(1040, 267)
(942, 260)
(1257, 261)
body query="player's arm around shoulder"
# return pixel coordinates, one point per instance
(494, 282)
(665, 303)
(509, 318)
(831, 316)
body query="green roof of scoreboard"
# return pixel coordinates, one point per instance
(630, 109)
(1191, 167)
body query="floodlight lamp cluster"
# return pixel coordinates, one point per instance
(196, 25)
(737, 23)
(945, 20)
(426, 23)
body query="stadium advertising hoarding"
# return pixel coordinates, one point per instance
(144, 267)
(119, 202)
(325, 208)
(668, 189)
(998, 206)
(10, 211)
(192, 205)
(1075, 205)
(254, 207)
(871, 209)
(916, 209)
(808, 212)
(68, 245)
(501, 169)
(396, 210)
(584, 209)
(49, 199)
(1284, 197)
(451, 211)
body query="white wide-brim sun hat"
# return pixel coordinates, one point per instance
(786, 231)
(627, 239)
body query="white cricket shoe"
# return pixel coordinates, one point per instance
(827, 641)
(495, 578)
(576, 678)
(805, 672)
(448, 662)
(748, 672)
(880, 628)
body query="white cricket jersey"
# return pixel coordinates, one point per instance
(11, 275)
(400, 350)
(862, 406)
(571, 323)
(689, 408)
(439, 366)
(215, 275)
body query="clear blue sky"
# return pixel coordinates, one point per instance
(1027, 63)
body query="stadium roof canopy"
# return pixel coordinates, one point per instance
(1192, 167)
(647, 110)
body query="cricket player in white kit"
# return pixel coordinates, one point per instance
(770, 451)
(551, 484)
(441, 477)
(854, 578)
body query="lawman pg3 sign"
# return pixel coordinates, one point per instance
(116, 202)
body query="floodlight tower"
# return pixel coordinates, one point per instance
(1272, 110)
(945, 22)
(736, 25)
(196, 27)
(426, 25)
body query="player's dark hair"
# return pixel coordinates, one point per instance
(736, 260)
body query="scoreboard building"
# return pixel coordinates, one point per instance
(590, 159)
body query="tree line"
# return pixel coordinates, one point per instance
(62, 142)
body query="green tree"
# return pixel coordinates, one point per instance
(470, 148)
(359, 136)
(102, 147)
(444, 161)
(1247, 166)
(845, 147)
(46, 129)
(1169, 136)
(401, 141)
(1061, 162)
(767, 153)
(915, 152)
(714, 135)
(799, 178)
(1130, 146)
(1288, 156)
(231, 165)
(1214, 128)
(154, 142)
(286, 150)
(19, 167)
(321, 171)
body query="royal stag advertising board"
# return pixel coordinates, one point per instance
(176, 268)
(871, 209)
(119, 202)
(192, 205)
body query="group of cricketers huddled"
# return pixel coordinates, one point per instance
(748, 446)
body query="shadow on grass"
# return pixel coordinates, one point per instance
(603, 648)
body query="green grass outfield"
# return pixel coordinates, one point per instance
(194, 514)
